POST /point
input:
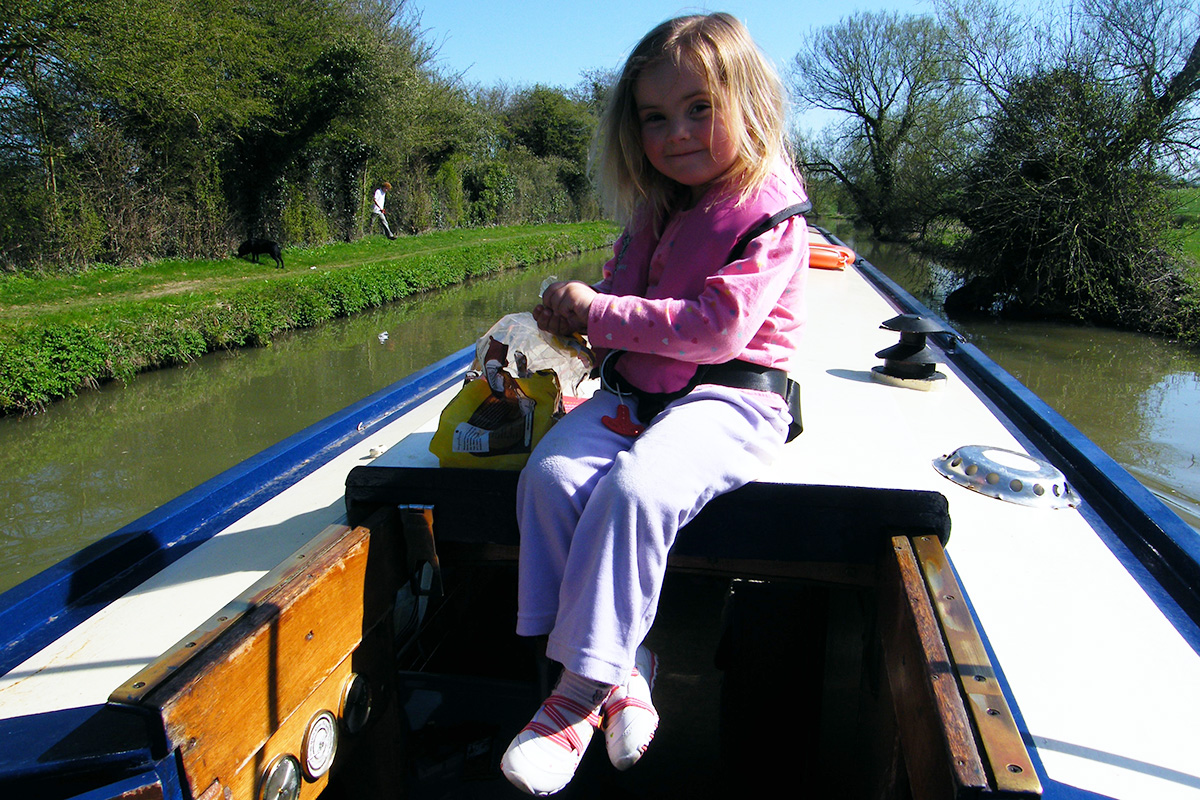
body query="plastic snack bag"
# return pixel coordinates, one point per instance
(532, 350)
(503, 409)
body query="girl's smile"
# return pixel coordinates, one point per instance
(684, 135)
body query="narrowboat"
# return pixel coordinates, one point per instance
(941, 590)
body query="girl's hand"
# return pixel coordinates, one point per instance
(564, 308)
(550, 322)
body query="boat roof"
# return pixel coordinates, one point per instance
(1098, 659)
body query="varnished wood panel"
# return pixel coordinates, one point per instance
(1009, 763)
(939, 747)
(249, 695)
(152, 791)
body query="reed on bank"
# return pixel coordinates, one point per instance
(60, 333)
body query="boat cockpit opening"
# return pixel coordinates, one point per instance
(810, 637)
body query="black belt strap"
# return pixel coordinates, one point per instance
(736, 374)
(770, 222)
(744, 375)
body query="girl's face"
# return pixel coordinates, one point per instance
(684, 135)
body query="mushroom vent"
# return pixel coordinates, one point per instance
(911, 362)
(1008, 475)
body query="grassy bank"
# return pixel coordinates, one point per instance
(62, 332)
(1187, 217)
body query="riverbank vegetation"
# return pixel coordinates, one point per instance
(1186, 203)
(1052, 162)
(62, 332)
(133, 130)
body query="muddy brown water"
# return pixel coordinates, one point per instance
(91, 464)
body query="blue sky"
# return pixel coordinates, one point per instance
(526, 42)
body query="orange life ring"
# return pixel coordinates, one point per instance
(830, 256)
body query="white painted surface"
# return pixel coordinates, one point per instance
(1107, 687)
(85, 665)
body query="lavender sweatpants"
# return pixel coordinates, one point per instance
(599, 511)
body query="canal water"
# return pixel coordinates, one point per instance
(91, 464)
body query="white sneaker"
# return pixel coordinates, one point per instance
(629, 717)
(543, 757)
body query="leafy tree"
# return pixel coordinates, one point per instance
(491, 190)
(333, 85)
(1057, 226)
(550, 125)
(592, 90)
(124, 106)
(132, 129)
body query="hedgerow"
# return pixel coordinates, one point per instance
(53, 355)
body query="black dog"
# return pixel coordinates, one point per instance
(255, 247)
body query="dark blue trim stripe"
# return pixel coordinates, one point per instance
(41, 609)
(1163, 543)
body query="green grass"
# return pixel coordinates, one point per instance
(62, 332)
(1186, 209)
(1188, 199)
(37, 294)
(1187, 218)
(1191, 245)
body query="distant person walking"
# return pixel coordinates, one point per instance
(380, 198)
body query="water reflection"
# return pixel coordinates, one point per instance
(94, 463)
(1136, 396)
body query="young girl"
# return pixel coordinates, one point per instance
(696, 340)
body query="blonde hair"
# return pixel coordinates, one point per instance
(744, 87)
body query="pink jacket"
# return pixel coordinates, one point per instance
(673, 302)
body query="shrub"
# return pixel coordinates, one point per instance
(1061, 222)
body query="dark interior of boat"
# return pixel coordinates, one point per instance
(776, 635)
(761, 683)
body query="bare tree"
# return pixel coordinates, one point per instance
(890, 77)
(995, 43)
(1151, 48)
(1147, 51)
